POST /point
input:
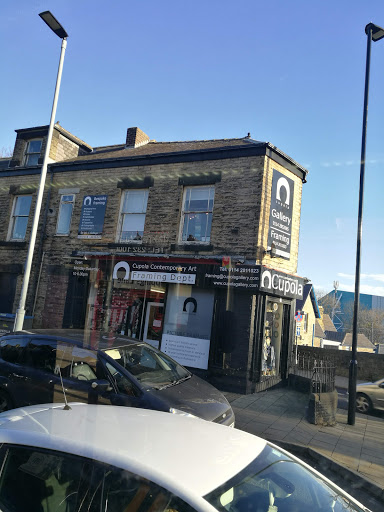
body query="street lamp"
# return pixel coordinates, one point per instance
(55, 26)
(375, 33)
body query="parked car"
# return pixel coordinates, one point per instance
(38, 366)
(370, 395)
(81, 459)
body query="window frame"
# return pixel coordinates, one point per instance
(122, 214)
(185, 212)
(28, 153)
(12, 220)
(60, 212)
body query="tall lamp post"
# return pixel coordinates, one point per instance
(374, 33)
(55, 26)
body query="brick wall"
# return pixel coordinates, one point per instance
(136, 137)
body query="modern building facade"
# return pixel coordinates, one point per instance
(190, 246)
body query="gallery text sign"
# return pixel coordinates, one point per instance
(234, 276)
(187, 351)
(280, 214)
(92, 216)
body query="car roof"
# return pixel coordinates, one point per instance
(189, 456)
(86, 338)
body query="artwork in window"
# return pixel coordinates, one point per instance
(133, 210)
(20, 216)
(197, 214)
(65, 214)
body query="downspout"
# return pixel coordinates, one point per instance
(313, 334)
(39, 258)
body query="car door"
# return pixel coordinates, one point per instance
(377, 394)
(14, 376)
(40, 363)
(39, 479)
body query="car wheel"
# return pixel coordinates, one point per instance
(363, 403)
(5, 401)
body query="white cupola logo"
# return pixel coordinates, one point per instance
(283, 183)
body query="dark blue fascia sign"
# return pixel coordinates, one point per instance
(281, 284)
(280, 215)
(92, 216)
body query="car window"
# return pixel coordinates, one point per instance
(148, 365)
(76, 362)
(120, 490)
(12, 349)
(50, 481)
(41, 354)
(123, 384)
(275, 481)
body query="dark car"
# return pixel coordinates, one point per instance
(41, 366)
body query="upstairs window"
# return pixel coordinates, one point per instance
(132, 215)
(32, 153)
(65, 214)
(197, 214)
(19, 218)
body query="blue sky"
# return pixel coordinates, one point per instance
(291, 73)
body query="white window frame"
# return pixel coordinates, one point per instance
(12, 221)
(72, 201)
(28, 153)
(184, 212)
(123, 214)
(305, 322)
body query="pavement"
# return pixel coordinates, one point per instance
(280, 415)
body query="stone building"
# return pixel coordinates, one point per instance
(191, 246)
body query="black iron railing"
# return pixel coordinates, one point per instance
(320, 372)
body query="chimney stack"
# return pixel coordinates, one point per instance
(136, 138)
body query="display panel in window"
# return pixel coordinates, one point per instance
(272, 341)
(65, 214)
(32, 153)
(197, 214)
(132, 216)
(20, 214)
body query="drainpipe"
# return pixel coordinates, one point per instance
(40, 254)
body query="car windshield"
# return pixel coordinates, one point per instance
(274, 481)
(148, 365)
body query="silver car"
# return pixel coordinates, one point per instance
(370, 395)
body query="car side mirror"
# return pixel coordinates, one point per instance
(101, 385)
(381, 385)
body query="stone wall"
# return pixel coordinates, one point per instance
(370, 366)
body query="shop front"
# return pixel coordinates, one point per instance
(232, 324)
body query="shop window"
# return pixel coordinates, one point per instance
(65, 214)
(32, 153)
(19, 217)
(197, 211)
(132, 215)
(187, 325)
(271, 350)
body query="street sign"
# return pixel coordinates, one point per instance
(298, 316)
(298, 330)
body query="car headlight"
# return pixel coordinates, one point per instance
(172, 410)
